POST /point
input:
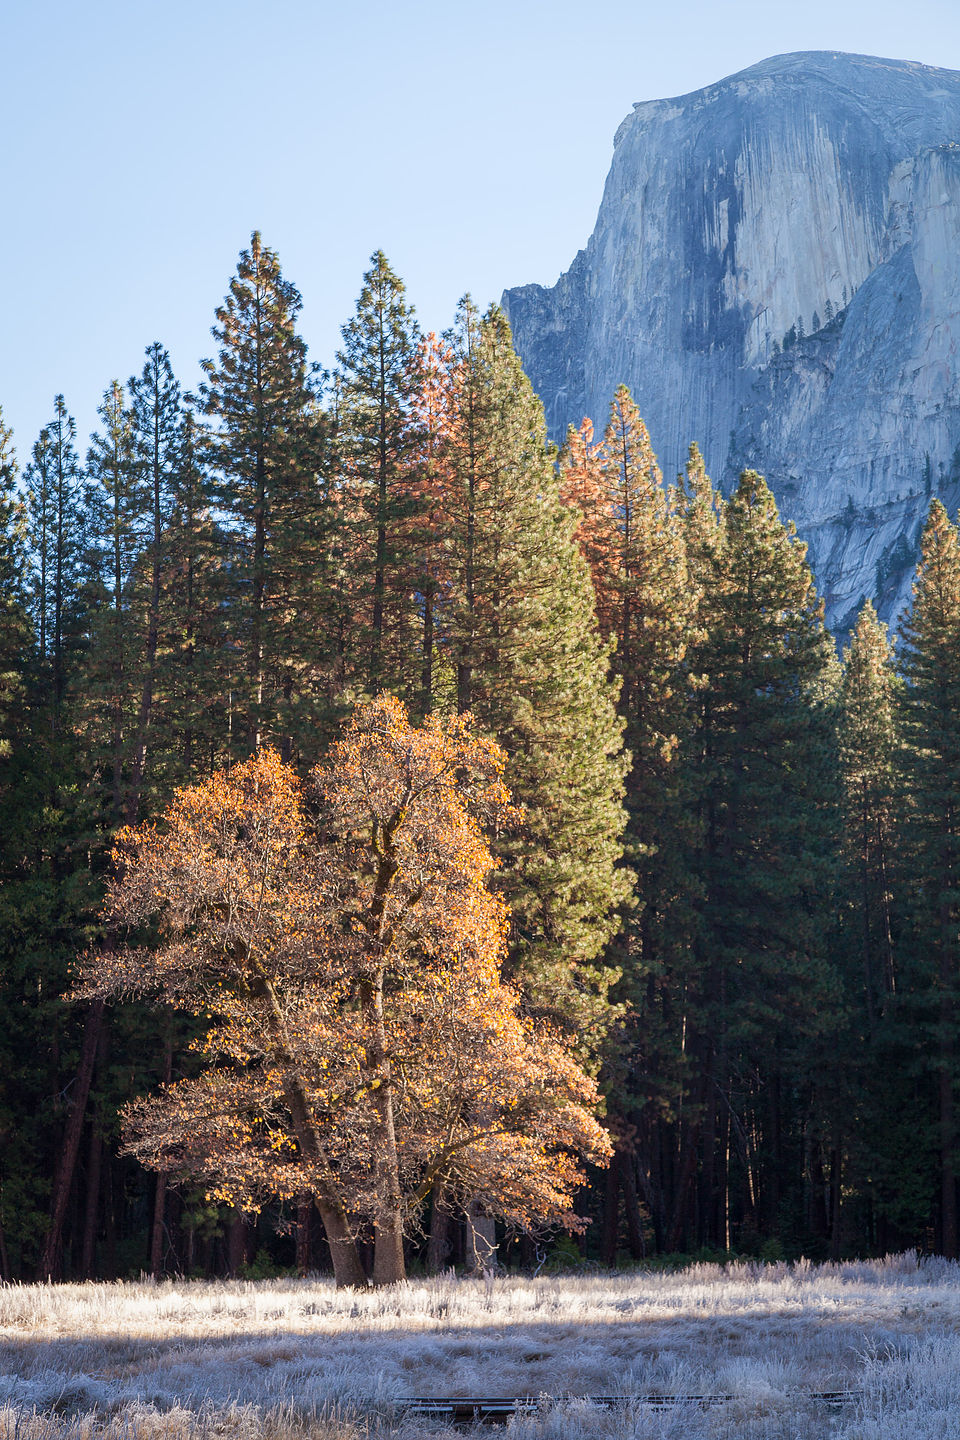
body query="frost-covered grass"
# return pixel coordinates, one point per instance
(287, 1358)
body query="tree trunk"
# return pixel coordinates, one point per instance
(236, 1244)
(51, 1256)
(481, 1241)
(438, 1246)
(836, 1178)
(304, 1213)
(110, 1221)
(948, 1179)
(5, 1274)
(611, 1210)
(93, 1205)
(157, 1224)
(681, 1224)
(628, 1179)
(347, 1270)
(426, 672)
(388, 1266)
(160, 1192)
(465, 662)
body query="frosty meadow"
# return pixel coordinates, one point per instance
(289, 1358)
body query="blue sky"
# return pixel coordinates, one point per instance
(144, 141)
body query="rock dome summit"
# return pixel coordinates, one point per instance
(775, 273)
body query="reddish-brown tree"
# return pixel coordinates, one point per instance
(584, 485)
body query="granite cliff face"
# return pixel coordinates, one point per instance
(775, 273)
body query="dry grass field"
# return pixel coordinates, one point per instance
(286, 1359)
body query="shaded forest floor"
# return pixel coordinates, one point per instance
(287, 1358)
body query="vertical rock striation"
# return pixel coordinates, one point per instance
(775, 273)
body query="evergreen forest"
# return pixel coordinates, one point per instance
(735, 888)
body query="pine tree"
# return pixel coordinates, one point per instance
(117, 510)
(760, 773)
(702, 514)
(426, 493)
(15, 634)
(157, 426)
(55, 515)
(195, 677)
(647, 572)
(930, 719)
(873, 1078)
(378, 439)
(868, 745)
(533, 669)
(49, 888)
(260, 395)
(645, 601)
(583, 486)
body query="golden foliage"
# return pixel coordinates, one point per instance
(346, 948)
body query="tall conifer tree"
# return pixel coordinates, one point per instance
(157, 426)
(868, 747)
(117, 511)
(260, 396)
(55, 514)
(633, 542)
(378, 440)
(194, 673)
(930, 717)
(534, 670)
(15, 634)
(760, 771)
(873, 1076)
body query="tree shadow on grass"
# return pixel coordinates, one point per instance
(369, 1367)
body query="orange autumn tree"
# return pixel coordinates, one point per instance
(361, 1048)
(584, 486)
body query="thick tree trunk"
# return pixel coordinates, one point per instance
(347, 1270)
(388, 1266)
(51, 1256)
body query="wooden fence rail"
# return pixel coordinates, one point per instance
(490, 1409)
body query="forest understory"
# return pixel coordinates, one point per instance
(287, 1358)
